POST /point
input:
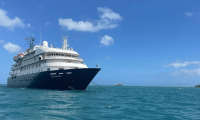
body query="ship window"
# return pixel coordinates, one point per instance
(69, 72)
(61, 68)
(52, 73)
(60, 73)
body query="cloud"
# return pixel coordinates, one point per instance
(108, 14)
(108, 20)
(187, 72)
(12, 48)
(28, 25)
(47, 23)
(106, 40)
(108, 57)
(2, 3)
(1, 41)
(188, 14)
(177, 64)
(5, 21)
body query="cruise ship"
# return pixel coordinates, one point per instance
(44, 67)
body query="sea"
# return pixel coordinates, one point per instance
(95, 103)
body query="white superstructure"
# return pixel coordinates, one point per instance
(44, 58)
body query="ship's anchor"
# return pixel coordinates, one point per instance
(99, 86)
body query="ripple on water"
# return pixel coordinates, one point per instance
(94, 103)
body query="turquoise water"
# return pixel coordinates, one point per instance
(117, 103)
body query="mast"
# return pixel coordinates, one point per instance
(40, 37)
(30, 42)
(65, 43)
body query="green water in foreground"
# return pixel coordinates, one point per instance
(116, 103)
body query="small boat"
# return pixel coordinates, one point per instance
(118, 85)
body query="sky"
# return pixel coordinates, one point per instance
(135, 42)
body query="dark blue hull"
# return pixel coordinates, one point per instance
(77, 79)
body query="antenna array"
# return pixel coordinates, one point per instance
(65, 43)
(30, 42)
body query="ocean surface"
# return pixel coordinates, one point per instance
(116, 103)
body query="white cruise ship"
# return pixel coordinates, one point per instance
(45, 67)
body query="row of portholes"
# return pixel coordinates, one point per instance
(25, 80)
(60, 73)
(21, 80)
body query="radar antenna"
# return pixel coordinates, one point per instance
(65, 43)
(30, 42)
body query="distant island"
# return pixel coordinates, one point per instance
(118, 85)
(197, 86)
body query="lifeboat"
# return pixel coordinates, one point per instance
(15, 58)
(20, 56)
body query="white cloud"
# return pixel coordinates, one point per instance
(106, 40)
(188, 14)
(1, 41)
(5, 21)
(47, 23)
(109, 14)
(184, 64)
(108, 20)
(108, 57)
(28, 25)
(187, 72)
(12, 48)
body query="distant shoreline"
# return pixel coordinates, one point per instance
(128, 86)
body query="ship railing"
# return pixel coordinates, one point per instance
(71, 62)
(11, 73)
(79, 58)
(62, 57)
(14, 64)
(12, 68)
(61, 49)
(37, 47)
